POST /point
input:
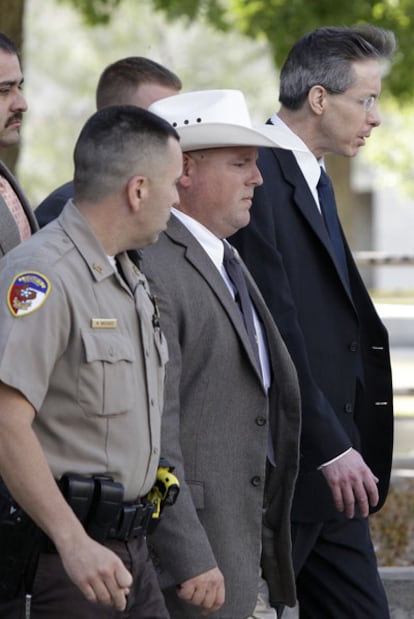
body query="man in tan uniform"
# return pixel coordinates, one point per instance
(82, 366)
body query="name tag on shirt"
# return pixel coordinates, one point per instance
(104, 323)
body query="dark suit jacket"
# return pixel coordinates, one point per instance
(53, 204)
(215, 430)
(329, 334)
(9, 232)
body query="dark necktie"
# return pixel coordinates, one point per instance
(242, 298)
(330, 216)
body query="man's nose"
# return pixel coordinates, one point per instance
(19, 102)
(374, 116)
(257, 178)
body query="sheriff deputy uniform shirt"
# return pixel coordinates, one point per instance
(83, 345)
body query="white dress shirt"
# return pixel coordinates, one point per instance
(307, 162)
(213, 246)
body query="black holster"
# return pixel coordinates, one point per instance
(20, 542)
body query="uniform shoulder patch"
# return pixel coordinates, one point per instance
(27, 293)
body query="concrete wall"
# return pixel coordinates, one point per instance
(399, 585)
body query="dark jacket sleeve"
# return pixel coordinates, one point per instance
(53, 204)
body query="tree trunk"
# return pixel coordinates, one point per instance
(11, 23)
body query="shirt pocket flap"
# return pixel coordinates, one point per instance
(109, 347)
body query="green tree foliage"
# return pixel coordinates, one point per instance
(94, 11)
(282, 22)
(203, 56)
(61, 74)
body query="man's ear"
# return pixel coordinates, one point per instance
(137, 191)
(188, 165)
(317, 98)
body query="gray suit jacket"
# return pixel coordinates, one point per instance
(216, 426)
(9, 233)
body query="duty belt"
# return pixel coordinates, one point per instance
(97, 502)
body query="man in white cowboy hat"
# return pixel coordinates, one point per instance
(231, 420)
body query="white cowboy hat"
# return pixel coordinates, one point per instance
(214, 119)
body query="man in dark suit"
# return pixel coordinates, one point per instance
(296, 251)
(231, 417)
(17, 221)
(129, 81)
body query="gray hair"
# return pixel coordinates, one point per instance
(325, 56)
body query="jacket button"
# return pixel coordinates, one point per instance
(348, 407)
(353, 347)
(261, 421)
(255, 481)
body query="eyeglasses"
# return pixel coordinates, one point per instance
(368, 103)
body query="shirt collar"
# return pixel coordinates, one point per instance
(211, 244)
(309, 165)
(79, 231)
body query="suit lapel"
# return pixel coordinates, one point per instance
(200, 261)
(305, 203)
